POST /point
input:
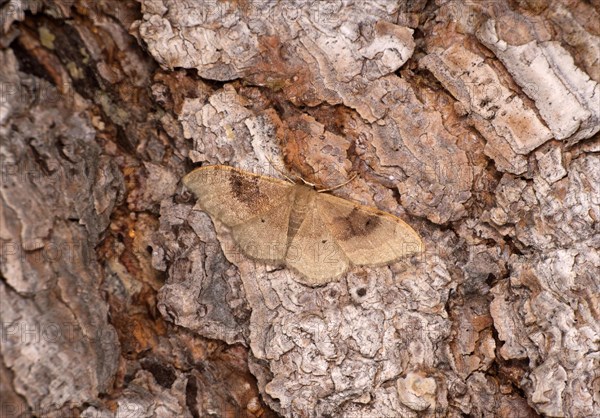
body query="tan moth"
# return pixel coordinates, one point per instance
(316, 234)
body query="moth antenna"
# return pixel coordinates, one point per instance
(339, 185)
(278, 170)
(308, 183)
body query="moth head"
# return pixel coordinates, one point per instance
(320, 188)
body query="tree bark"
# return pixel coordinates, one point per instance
(475, 122)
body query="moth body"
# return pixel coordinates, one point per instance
(303, 202)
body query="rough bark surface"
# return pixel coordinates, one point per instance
(476, 122)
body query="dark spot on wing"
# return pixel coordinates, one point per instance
(361, 291)
(356, 224)
(247, 191)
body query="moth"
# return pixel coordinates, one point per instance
(316, 234)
